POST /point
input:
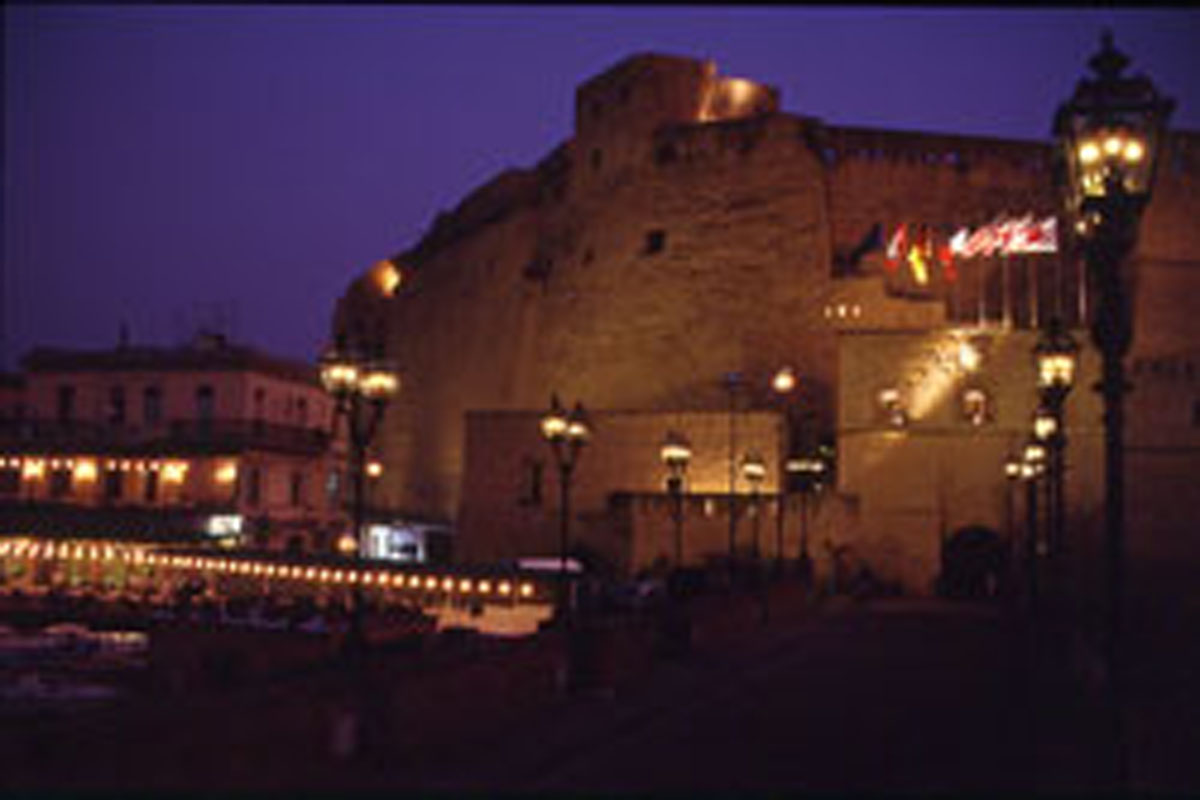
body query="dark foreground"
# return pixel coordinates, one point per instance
(895, 695)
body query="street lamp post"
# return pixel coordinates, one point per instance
(1033, 465)
(783, 383)
(1055, 357)
(1109, 135)
(732, 381)
(754, 470)
(567, 433)
(1013, 473)
(676, 453)
(811, 473)
(361, 387)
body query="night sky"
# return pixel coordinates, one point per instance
(171, 167)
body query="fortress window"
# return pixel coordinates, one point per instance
(532, 490)
(656, 241)
(597, 157)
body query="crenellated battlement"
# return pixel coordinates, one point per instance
(840, 146)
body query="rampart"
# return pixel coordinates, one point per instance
(687, 230)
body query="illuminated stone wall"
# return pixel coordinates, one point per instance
(511, 511)
(679, 236)
(920, 483)
(550, 280)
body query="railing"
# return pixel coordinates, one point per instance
(174, 437)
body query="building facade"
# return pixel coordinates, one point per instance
(690, 229)
(208, 438)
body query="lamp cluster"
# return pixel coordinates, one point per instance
(1107, 155)
(754, 470)
(1110, 131)
(567, 434)
(343, 376)
(560, 427)
(676, 453)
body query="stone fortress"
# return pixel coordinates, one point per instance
(691, 229)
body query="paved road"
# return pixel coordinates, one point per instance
(900, 698)
(897, 696)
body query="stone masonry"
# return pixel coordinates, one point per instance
(688, 229)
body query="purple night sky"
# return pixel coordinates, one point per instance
(176, 166)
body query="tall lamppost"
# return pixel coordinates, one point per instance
(810, 471)
(361, 387)
(1055, 356)
(783, 383)
(1013, 473)
(1046, 429)
(732, 381)
(754, 470)
(676, 453)
(1109, 135)
(567, 434)
(1033, 465)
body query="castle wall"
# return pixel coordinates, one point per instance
(565, 290)
(919, 483)
(512, 481)
(688, 230)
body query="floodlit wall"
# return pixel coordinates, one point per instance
(682, 234)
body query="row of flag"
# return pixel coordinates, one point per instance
(924, 247)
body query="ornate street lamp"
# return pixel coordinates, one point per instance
(1012, 473)
(754, 471)
(783, 383)
(810, 473)
(732, 382)
(1110, 134)
(567, 434)
(1055, 358)
(676, 453)
(1032, 466)
(361, 388)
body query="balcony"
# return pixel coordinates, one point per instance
(178, 437)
